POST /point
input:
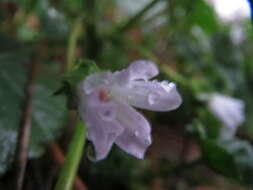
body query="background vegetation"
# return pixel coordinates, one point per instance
(191, 45)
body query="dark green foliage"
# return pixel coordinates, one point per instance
(79, 71)
(191, 46)
(48, 111)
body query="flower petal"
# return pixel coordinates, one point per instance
(150, 95)
(229, 110)
(94, 81)
(142, 69)
(136, 136)
(103, 127)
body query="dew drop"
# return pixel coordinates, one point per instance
(139, 155)
(153, 98)
(147, 141)
(129, 97)
(167, 86)
(136, 133)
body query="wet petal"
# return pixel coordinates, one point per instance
(103, 127)
(94, 81)
(151, 95)
(136, 136)
(142, 69)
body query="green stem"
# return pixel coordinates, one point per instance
(94, 43)
(69, 170)
(135, 19)
(74, 35)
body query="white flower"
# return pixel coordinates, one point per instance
(105, 101)
(229, 110)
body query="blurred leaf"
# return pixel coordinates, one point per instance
(204, 16)
(80, 70)
(48, 111)
(73, 6)
(53, 23)
(212, 124)
(197, 127)
(11, 98)
(219, 159)
(243, 155)
(7, 43)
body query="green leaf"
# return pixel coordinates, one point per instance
(243, 154)
(48, 111)
(212, 124)
(73, 6)
(219, 159)
(80, 70)
(204, 16)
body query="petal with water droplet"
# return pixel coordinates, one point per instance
(103, 127)
(94, 81)
(136, 137)
(152, 95)
(142, 69)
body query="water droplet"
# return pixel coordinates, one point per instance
(139, 155)
(164, 82)
(153, 98)
(136, 133)
(167, 86)
(129, 97)
(147, 141)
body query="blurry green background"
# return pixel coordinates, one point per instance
(192, 46)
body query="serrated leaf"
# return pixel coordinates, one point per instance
(48, 111)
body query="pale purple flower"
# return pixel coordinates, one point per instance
(105, 101)
(229, 110)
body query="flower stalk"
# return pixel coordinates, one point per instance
(69, 170)
(76, 147)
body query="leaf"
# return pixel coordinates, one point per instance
(219, 159)
(53, 24)
(80, 70)
(212, 124)
(48, 111)
(243, 154)
(204, 16)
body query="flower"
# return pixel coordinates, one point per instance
(105, 101)
(229, 110)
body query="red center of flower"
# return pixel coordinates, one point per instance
(103, 95)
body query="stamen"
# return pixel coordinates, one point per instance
(103, 95)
